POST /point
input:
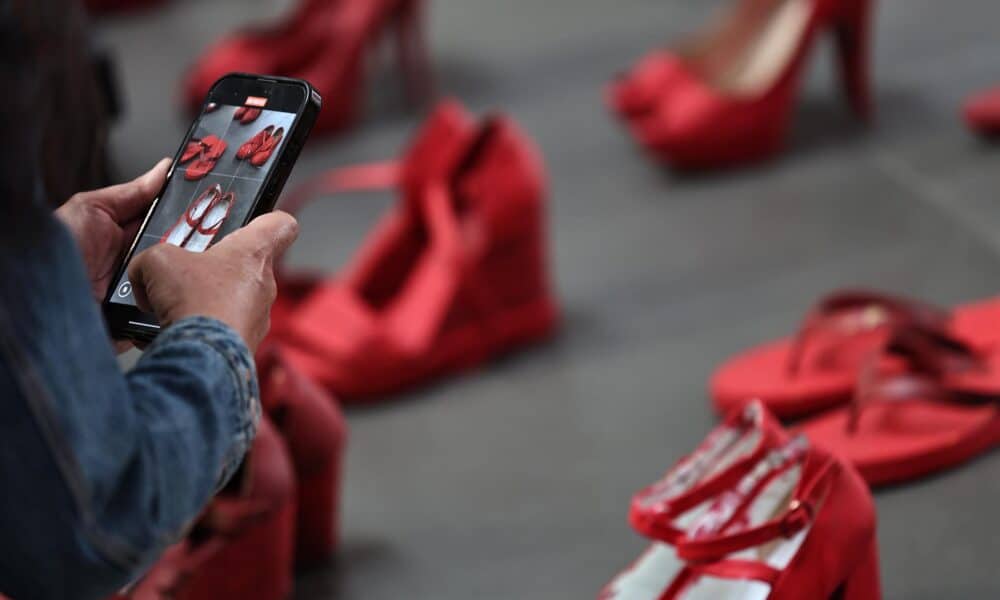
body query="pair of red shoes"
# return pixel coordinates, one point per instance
(246, 114)
(453, 276)
(757, 514)
(905, 389)
(260, 147)
(205, 153)
(198, 226)
(982, 112)
(282, 510)
(727, 96)
(324, 42)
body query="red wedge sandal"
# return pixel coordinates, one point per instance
(452, 277)
(242, 545)
(315, 432)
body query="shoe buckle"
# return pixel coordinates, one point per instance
(798, 517)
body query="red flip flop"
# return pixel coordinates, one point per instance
(817, 368)
(940, 412)
(314, 430)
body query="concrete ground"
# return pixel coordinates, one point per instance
(513, 482)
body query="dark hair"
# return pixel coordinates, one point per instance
(54, 115)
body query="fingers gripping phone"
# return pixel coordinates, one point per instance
(229, 169)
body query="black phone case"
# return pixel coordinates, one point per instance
(123, 321)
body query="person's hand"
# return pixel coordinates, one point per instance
(232, 281)
(105, 221)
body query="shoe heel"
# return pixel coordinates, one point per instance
(411, 51)
(853, 38)
(864, 583)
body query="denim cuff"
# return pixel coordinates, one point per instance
(246, 394)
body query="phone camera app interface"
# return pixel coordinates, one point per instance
(215, 182)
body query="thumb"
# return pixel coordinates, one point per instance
(268, 235)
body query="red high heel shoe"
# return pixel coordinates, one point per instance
(324, 43)
(242, 546)
(444, 133)
(265, 150)
(731, 93)
(338, 70)
(800, 524)
(179, 233)
(254, 144)
(315, 432)
(455, 275)
(982, 112)
(663, 510)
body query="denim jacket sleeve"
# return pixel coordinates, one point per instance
(102, 470)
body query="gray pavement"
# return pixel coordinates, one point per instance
(513, 482)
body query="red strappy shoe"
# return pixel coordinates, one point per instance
(207, 157)
(801, 524)
(454, 276)
(940, 412)
(665, 509)
(982, 112)
(265, 150)
(446, 131)
(254, 144)
(731, 93)
(817, 368)
(315, 433)
(188, 222)
(242, 546)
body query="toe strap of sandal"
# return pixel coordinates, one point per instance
(928, 357)
(852, 311)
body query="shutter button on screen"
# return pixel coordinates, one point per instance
(124, 290)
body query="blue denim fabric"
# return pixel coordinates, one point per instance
(102, 470)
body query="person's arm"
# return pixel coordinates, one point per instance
(103, 470)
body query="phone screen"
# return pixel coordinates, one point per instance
(215, 183)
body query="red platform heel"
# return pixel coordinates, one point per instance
(242, 545)
(728, 97)
(453, 276)
(315, 432)
(790, 529)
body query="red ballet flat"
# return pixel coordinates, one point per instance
(982, 112)
(816, 369)
(940, 412)
(455, 275)
(800, 524)
(731, 93)
(242, 545)
(189, 221)
(314, 430)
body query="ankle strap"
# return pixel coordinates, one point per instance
(800, 514)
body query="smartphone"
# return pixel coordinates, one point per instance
(229, 169)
